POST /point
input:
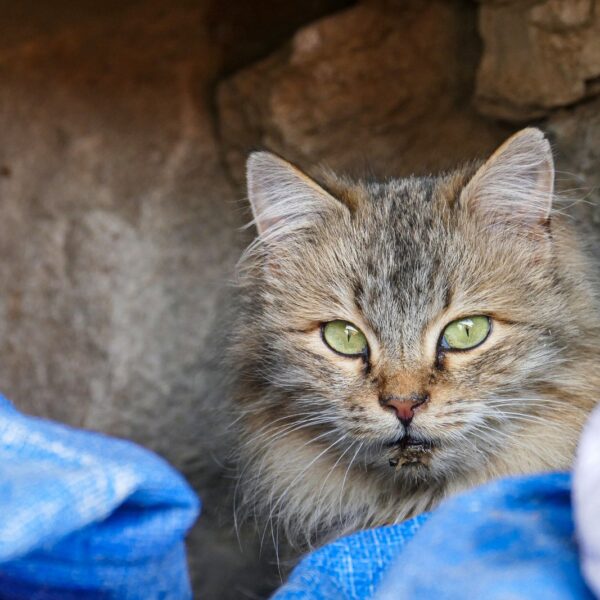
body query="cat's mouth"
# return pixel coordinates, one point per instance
(410, 450)
(411, 441)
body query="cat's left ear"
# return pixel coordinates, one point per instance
(516, 184)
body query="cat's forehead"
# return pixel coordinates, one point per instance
(406, 227)
(400, 193)
(412, 199)
(404, 239)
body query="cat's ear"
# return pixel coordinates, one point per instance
(516, 184)
(284, 199)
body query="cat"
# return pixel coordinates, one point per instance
(396, 342)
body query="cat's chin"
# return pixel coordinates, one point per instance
(411, 451)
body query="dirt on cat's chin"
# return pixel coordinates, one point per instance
(411, 453)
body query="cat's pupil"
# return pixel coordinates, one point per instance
(350, 332)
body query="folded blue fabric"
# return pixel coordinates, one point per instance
(351, 567)
(86, 516)
(510, 539)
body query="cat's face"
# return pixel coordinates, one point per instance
(400, 271)
(415, 326)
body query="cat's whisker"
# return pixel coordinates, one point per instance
(279, 434)
(492, 436)
(271, 442)
(335, 464)
(346, 476)
(283, 495)
(460, 439)
(542, 403)
(258, 474)
(321, 415)
(542, 411)
(269, 436)
(529, 418)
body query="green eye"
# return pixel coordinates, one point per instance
(345, 338)
(466, 333)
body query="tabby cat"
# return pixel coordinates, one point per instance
(399, 341)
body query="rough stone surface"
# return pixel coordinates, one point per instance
(119, 232)
(381, 88)
(120, 223)
(244, 31)
(537, 56)
(576, 136)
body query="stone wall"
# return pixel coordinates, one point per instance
(124, 129)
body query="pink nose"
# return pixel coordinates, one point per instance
(405, 407)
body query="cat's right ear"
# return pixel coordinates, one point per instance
(284, 200)
(514, 187)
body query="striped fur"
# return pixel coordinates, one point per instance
(400, 259)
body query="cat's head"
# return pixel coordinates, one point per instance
(415, 326)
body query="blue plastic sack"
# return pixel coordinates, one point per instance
(510, 539)
(86, 516)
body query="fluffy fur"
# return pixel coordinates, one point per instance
(401, 259)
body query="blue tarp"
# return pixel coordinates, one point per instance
(86, 516)
(510, 539)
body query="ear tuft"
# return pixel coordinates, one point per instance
(515, 185)
(283, 199)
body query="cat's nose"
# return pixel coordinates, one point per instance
(405, 406)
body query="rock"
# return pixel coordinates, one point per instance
(246, 31)
(119, 233)
(381, 88)
(576, 141)
(120, 225)
(537, 56)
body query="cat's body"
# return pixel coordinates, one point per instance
(323, 447)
